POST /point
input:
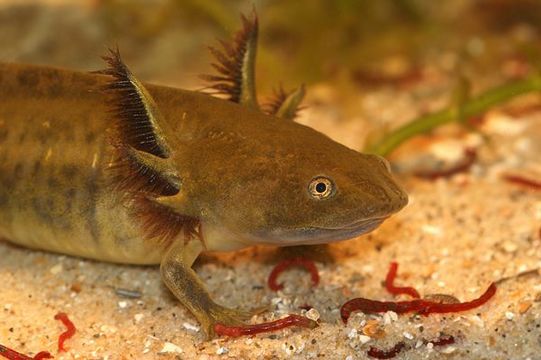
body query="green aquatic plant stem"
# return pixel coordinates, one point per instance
(472, 107)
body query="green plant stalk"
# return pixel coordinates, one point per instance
(469, 108)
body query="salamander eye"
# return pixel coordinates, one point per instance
(321, 188)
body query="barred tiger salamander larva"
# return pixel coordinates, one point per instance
(101, 166)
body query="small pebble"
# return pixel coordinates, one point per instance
(275, 301)
(132, 294)
(222, 350)
(138, 317)
(122, 304)
(312, 314)
(524, 306)
(108, 329)
(170, 348)
(367, 268)
(510, 247)
(289, 348)
(509, 315)
(432, 230)
(448, 350)
(386, 318)
(191, 327)
(504, 125)
(364, 339)
(56, 269)
(477, 321)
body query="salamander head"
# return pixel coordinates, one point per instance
(246, 177)
(286, 184)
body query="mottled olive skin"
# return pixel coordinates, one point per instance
(257, 176)
(245, 175)
(53, 161)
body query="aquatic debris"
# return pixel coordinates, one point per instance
(127, 293)
(472, 107)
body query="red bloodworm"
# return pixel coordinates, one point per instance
(283, 265)
(14, 355)
(524, 181)
(424, 307)
(396, 290)
(291, 320)
(42, 355)
(70, 331)
(470, 155)
(386, 354)
(395, 350)
(443, 340)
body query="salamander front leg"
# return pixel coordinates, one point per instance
(184, 283)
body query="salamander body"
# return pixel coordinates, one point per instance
(101, 166)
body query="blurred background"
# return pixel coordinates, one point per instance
(374, 63)
(302, 40)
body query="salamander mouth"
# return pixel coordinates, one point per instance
(368, 224)
(320, 235)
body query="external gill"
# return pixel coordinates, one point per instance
(235, 64)
(143, 170)
(285, 104)
(138, 118)
(148, 173)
